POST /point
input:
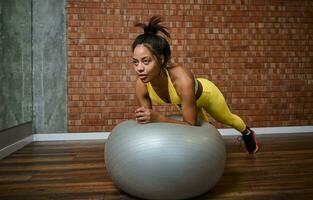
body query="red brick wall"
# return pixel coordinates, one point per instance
(259, 53)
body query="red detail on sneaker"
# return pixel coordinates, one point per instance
(256, 143)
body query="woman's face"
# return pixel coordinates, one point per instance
(145, 64)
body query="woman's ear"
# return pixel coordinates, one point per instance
(162, 59)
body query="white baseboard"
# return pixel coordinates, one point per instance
(271, 130)
(104, 135)
(15, 146)
(70, 136)
(224, 132)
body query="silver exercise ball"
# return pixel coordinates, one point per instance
(164, 160)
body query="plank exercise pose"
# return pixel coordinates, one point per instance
(163, 82)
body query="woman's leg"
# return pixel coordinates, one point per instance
(217, 107)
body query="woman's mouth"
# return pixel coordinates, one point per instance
(142, 76)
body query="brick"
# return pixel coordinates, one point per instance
(258, 52)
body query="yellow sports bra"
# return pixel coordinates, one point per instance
(175, 99)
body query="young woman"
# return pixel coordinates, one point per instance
(162, 82)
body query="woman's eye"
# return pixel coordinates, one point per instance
(146, 62)
(134, 62)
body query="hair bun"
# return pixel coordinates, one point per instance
(154, 26)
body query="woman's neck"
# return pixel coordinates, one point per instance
(160, 81)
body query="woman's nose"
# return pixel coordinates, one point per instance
(140, 67)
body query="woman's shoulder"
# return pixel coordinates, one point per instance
(182, 79)
(178, 72)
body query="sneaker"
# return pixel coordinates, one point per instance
(250, 142)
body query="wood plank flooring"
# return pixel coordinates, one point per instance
(283, 169)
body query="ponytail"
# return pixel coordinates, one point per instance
(157, 44)
(154, 26)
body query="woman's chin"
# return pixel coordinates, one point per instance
(144, 79)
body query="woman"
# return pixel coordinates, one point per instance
(162, 82)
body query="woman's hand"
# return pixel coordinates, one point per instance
(145, 115)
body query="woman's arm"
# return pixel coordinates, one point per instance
(142, 94)
(144, 114)
(185, 90)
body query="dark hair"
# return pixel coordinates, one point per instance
(157, 44)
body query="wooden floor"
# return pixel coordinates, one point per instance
(75, 170)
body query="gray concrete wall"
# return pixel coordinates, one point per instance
(33, 65)
(49, 66)
(15, 63)
(33, 69)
